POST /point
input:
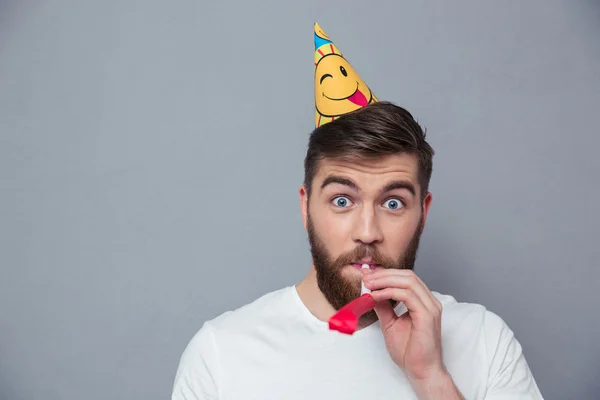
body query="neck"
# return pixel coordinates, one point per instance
(313, 298)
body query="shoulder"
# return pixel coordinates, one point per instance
(494, 340)
(492, 347)
(474, 314)
(476, 321)
(200, 367)
(271, 306)
(268, 310)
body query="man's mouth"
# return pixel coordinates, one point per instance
(358, 265)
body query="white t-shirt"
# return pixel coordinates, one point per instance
(274, 348)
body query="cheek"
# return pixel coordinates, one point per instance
(334, 231)
(397, 237)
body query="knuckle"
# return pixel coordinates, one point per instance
(395, 294)
(386, 293)
(412, 278)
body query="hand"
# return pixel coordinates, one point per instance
(414, 339)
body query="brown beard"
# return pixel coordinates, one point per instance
(338, 290)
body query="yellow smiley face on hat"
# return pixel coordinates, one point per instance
(338, 87)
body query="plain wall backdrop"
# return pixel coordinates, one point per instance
(151, 154)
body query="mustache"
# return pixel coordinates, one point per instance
(360, 252)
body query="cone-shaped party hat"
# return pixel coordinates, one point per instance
(338, 88)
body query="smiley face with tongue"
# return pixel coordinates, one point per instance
(338, 88)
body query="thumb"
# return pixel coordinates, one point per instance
(385, 312)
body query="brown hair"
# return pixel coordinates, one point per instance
(376, 130)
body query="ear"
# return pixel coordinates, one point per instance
(426, 205)
(304, 204)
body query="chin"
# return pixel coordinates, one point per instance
(352, 281)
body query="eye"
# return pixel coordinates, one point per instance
(394, 204)
(325, 76)
(343, 70)
(341, 201)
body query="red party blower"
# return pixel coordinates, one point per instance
(346, 319)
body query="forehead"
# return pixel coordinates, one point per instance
(371, 174)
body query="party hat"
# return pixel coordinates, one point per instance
(338, 87)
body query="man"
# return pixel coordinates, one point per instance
(365, 199)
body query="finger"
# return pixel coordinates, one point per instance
(386, 314)
(434, 300)
(435, 304)
(403, 281)
(412, 302)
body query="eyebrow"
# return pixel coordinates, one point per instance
(405, 185)
(340, 181)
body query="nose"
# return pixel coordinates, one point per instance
(366, 229)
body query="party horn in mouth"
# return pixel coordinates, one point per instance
(346, 319)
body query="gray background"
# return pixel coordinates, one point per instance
(151, 153)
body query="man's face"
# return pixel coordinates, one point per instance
(368, 211)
